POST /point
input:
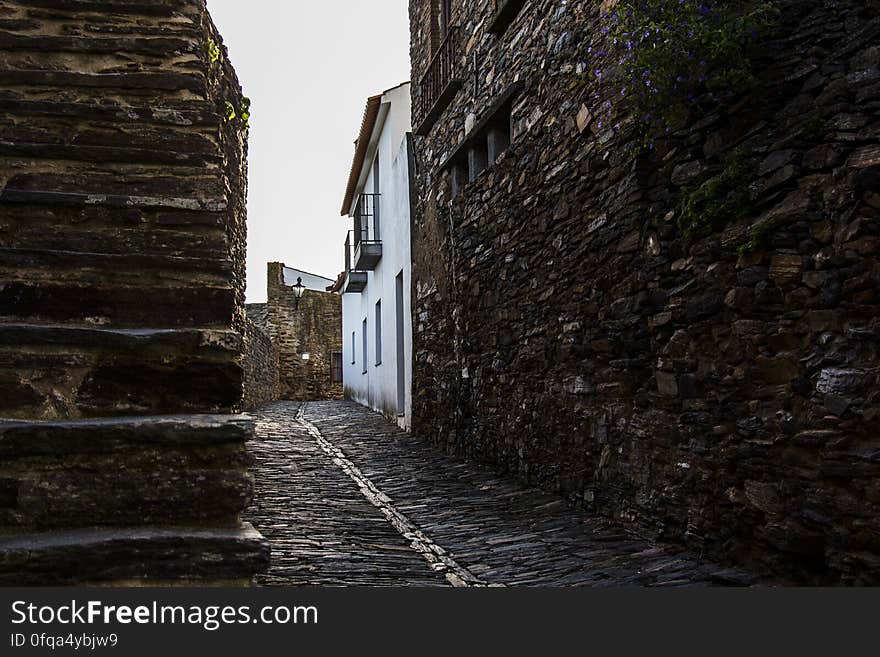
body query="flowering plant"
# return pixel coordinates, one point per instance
(658, 60)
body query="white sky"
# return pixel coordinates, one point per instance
(308, 68)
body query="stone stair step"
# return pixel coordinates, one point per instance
(154, 46)
(173, 470)
(105, 371)
(104, 7)
(197, 186)
(117, 265)
(133, 82)
(119, 306)
(145, 554)
(28, 438)
(44, 197)
(131, 233)
(140, 340)
(103, 154)
(182, 113)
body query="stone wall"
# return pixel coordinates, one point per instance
(314, 327)
(260, 359)
(567, 332)
(122, 231)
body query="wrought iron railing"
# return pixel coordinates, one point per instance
(366, 219)
(441, 71)
(348, 250)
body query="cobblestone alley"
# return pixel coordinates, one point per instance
(346, 499)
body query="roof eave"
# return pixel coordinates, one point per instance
(371, 114)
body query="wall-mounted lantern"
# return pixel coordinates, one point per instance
(298, 290)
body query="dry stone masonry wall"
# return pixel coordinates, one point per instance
(122, 242)
(720, 390)
(313, 327)
(260, 360)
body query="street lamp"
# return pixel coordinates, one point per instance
(298, 290)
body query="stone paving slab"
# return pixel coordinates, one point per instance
(321, 529)
(313, 505)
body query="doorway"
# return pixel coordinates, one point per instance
(401, 351)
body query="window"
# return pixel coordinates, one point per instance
(376, 204)
(353, 351)
(484, 144)
(378, 333)
(336, 367)
(489, 143)
(443, 74)
(401, 349)
(441, 21)
(445, 16)
(364, 343)
(376, 174)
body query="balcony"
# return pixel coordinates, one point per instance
(355, 281)
(367, 237)
(440, 83)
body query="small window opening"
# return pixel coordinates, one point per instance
(378, 333)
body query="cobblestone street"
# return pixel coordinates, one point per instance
(345, 498)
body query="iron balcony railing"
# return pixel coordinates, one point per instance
(366, 219)
(355, 276)
(348, 251)
(442, 71)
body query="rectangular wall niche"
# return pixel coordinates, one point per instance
(486, 141)
(504, 13)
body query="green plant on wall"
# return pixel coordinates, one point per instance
(719, 200)
(659, 60)
(246, 110)
(230, 111)
(759, 236)
(213, 51)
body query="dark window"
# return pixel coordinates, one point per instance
(441, 22)
(378, 333)
(353, 351)
(336, 367)
(445, 16)
(401, 348)
(364, 343)
(483, 145)
(444, 72)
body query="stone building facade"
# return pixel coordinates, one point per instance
(260, 361)
(122, 232)
(306, 335)
(566, 331)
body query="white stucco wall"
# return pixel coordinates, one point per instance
(377, 388)
(310, 281)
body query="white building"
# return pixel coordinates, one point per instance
(376, 320)
(293, 276)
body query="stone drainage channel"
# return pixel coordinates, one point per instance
(438, 559)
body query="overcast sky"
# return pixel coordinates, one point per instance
(308, 68)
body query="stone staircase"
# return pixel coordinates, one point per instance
(122, 239)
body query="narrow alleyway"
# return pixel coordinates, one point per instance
(345, 498)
